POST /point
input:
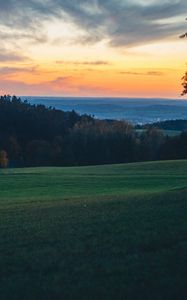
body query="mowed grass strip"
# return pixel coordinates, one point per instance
(39, 184)
(105, 232)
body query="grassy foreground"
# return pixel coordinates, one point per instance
(102, 232)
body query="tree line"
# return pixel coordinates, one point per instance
(178, 125)
(36, 135)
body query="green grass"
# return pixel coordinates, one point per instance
(101, 232)
(170, 133)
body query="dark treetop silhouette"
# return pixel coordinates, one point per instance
(184, 78)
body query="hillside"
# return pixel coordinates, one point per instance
(105, 232)
(36, 135)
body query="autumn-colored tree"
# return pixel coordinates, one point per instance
(184, 84)
(3, 159)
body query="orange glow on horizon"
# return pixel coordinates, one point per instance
(149, 71)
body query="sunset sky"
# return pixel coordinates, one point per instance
(124, 48)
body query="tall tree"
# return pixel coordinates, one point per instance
(184, 84)
(3, 159)
(184, 78)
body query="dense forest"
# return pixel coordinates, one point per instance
(179, 125)
(35, 135)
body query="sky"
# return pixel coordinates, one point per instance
(97, 48)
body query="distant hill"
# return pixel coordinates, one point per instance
(135, 110)
(180, 125)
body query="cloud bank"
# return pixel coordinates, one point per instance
(84, 63)
(123, 23)
(148, 73)
(10, 56)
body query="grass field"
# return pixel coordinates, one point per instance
(101, 232)
(170, 133)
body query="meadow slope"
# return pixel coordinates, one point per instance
(105, 232)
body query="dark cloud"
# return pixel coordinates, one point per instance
(14, 70)
(148, 73)
(89, 63)
(120, 22)
(155, 73)
(8, 56)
